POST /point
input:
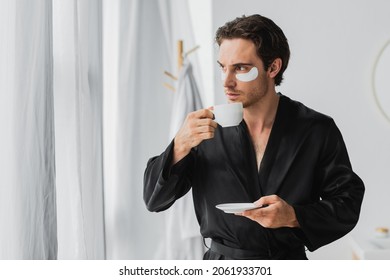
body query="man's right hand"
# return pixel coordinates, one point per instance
(198, 126)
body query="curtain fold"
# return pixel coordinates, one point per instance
(139, 112)
(27, 186)
(182, 238)
(78, 92)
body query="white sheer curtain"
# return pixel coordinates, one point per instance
(27, 181)
(182, 234)
(136, 125)
(137, 116)
(110, 114)
(78, 95)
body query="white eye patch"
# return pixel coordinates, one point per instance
(244, 77)
(248, 77)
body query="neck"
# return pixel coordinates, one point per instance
(261, 115)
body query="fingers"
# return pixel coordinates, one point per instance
(202, 114)
(198, 126)
(267, 200)
(258, 215)
(200, 122)
(210, 124)
(277, 213)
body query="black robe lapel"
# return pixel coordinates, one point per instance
(277, 157)
(255, 189)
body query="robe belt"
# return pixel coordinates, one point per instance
(234, 253)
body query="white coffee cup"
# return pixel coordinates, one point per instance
(228, 114)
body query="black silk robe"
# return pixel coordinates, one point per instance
(305, 163)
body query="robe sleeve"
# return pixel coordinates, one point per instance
(163, 183)
(341, 192)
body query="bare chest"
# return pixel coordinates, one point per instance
(260, 141)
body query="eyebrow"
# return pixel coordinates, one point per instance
(237, 64)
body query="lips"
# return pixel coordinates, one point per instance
(232, 96)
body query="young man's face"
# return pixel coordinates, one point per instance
(242, 71)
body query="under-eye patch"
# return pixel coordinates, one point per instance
(249, 76)
(244, 77)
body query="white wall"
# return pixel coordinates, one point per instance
(334, 45)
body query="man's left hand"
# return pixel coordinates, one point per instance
(277, 213)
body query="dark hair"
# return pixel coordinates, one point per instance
(269, 39)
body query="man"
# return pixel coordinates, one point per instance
(283, 155)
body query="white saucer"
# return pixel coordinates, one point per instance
(233, 208)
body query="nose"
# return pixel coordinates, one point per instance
(229, 79)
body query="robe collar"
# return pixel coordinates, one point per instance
(276, 160)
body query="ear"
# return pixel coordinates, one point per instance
(274, 68)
